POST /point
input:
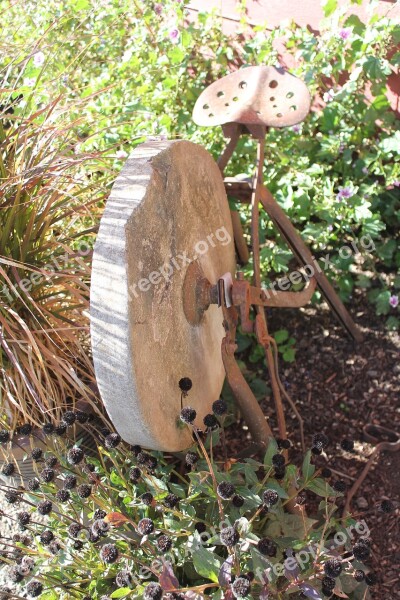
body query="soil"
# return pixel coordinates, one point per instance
(339, 388)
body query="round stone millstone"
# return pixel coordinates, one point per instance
(167, 210)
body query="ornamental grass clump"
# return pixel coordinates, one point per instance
(115, 524)
(51, 195)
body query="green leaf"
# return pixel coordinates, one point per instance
(271, 450)
(382, 303)
(121, 593)
(393, 323)
(307, 469)
(281, 336)
(289, 355)
(329, 7)
(321, 488)
(206, 563)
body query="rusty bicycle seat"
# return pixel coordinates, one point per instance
(254, 95)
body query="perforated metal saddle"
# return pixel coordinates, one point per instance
(254, 95)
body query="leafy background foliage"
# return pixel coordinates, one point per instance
(122, 71)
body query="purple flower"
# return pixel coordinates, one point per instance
(296, 128)
(29, 81)
(158, 9)
(38, 59)
(330, 228)
(121, 154)
(396, 183)
(345, 33)
(394, 301)
(342, 146)
(365, 170)
(344, 192)
(174, 35)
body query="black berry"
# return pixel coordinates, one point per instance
(267, 547)
(153, 591)
(219, 407)
(36, 454)
(145, 526)
(47, 475)
(225, 490)
(69, 417)
(8, 469)
(339, 486)
(84, 490)
(164, 543)
(359, 575)
(171, 500)
(63, 496)
(33, 484)
(361, 551)
(229, 536)
(75, 455)
(278, 461)
(211, 421)
(109, 553)
(347, 445)
(270, 497)
(387, 506)
(185, 384)
(123, 579)
(188, 415)
(45, 507)
(333, 567)
(147, 498)
(134, 474)
(240, 587)
(70, 482)
(191, 458)
(4, 436)
(112, 440)
(237, 501)
(46, 537)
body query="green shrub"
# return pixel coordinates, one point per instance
(336, 175)
(118, 523)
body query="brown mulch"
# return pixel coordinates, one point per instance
(338, 388)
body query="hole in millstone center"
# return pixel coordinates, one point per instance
(205, 106)
(289, 95)
(242, 85)
(293, 107)
(273, 84)
(219, 94)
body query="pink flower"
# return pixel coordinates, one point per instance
(345, 33)
(158, 9)
(29, 81)
(344, 192)
(38, 59)
(174, 35)
(394, 301)
(121, 154)
(296, 128)
(365, 170)
(396, 183)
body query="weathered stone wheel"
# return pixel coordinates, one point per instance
(166, 222)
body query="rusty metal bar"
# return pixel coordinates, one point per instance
(305, 257)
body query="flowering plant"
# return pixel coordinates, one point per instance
(127, 523)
